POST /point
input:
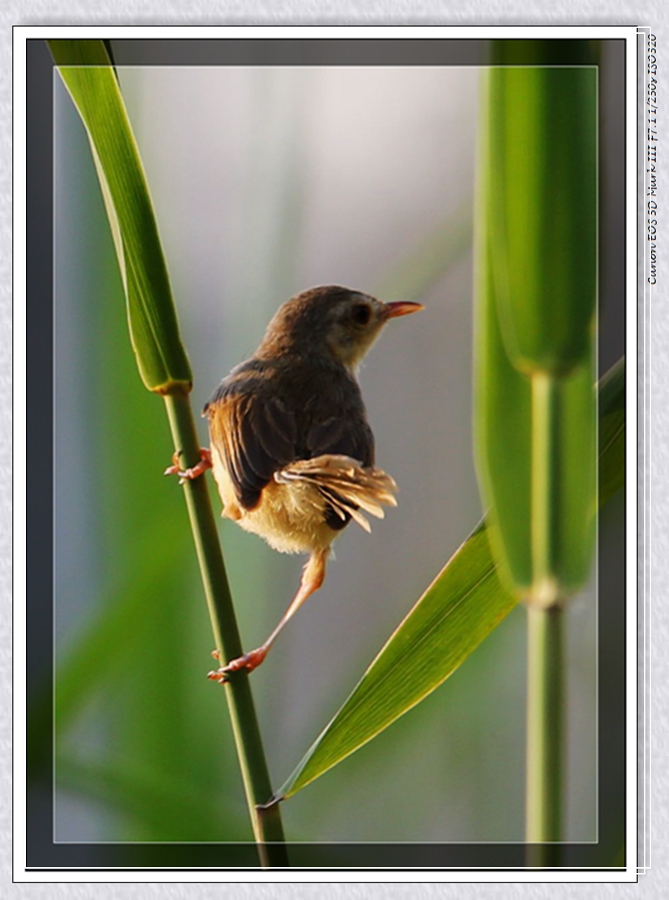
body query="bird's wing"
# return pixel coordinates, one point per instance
(257, 435)
(345, 435)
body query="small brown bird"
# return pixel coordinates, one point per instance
(291, 450)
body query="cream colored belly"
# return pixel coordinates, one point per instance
(289, 516)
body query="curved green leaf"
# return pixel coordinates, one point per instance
(461, 607)
(87, 73)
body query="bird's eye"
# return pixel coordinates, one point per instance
(361, 314)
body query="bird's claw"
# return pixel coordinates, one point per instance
(193, 471)
(248, 661)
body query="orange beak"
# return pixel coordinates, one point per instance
(402, 308)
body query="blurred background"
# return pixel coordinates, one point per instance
(267, 181)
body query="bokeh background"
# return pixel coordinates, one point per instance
(267, 181)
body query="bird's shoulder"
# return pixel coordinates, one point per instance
(309, 386)
(249, 378)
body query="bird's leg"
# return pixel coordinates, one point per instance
(312, 578)
(192, 472)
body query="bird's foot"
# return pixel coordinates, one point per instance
(248, 661)
(192, 472)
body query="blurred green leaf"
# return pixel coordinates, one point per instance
(549, 52)
(539, 208)
(102, 646)
(164, 806)
(460, 608)
(87, 73)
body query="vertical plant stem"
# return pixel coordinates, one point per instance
(543, 808)
(267, 826)
(544, 487)
(544, 629)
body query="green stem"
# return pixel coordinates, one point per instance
(545, 476)
(543, 809)
(544, 629)
(267, 826)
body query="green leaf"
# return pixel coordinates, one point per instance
(458, 610)
(461, 607)
(165, 806)
(539, 207)
(86, 71)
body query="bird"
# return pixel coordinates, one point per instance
(291, 450)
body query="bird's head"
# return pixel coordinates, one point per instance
(330, 321)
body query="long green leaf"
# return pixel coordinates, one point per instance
(461, 607)
(85, 68)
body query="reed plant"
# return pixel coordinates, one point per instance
(163, 365)
(536, 253)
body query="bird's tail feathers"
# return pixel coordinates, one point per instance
(348, 487)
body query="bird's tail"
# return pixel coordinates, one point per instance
(348, 487)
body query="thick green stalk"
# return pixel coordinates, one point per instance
(267, 824)
(544, 631)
